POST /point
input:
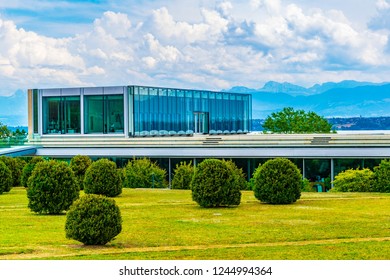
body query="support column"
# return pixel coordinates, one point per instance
(331, 172)
(169, 173)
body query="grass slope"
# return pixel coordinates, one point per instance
(167, 224)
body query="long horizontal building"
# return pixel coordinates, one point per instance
(173, 125)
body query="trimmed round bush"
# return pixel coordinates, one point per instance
(239, 175)
(5, 178)
(15, 166)
(182, 176)
(51, 188)
(213, 184)
(277, 181)
(143, 173)
(102, 177)
(354, 180)
(28, 169)
(93, 220)
(20, 163)
(382, 177)
(79, 165)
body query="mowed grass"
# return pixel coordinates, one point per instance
(167, 224)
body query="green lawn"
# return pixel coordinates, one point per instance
(167, 224)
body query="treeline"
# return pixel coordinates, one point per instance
(355, 123)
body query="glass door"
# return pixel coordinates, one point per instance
(201, 122)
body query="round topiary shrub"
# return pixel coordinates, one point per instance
(93, 220)
(182, 176)
(12, 165)
(5, 178)
(213, 184)
(277, 181)
(143, 173)
(28, 169)
(79, 165)
(382, 177)
(352, 180)
(102, 177)
(20, 163)
(52, 187)
(239, 175)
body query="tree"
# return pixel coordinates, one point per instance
(290, 121)
(4, 131)
(278, 181)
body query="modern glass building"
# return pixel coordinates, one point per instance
(137, 111)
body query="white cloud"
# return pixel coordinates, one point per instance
(382, 5)
(218, 49)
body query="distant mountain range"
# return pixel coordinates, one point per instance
(344, 99)
(13, 109)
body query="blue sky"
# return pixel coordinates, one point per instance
(193, 43)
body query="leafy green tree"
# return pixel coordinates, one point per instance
(214, 185)
(290, 121)
(182, 176)
(382, 177)
(277, 181)
(354, 180)
(143, 173)
(4, 131)
(93, 220)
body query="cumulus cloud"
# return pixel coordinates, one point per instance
(219, 49)
(382, 19)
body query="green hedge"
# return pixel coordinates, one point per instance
(354, 180)
(143, 173)
(182, 176)
(382, 177)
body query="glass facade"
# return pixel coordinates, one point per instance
(162, 111)
(61, 115)
(139, 111)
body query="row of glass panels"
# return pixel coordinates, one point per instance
(152, 111)
(159, 110)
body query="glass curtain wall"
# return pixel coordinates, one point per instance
(103, 114)
(161, 111)
(61, 115)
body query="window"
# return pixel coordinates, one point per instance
(61, 115)
(104, 114)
